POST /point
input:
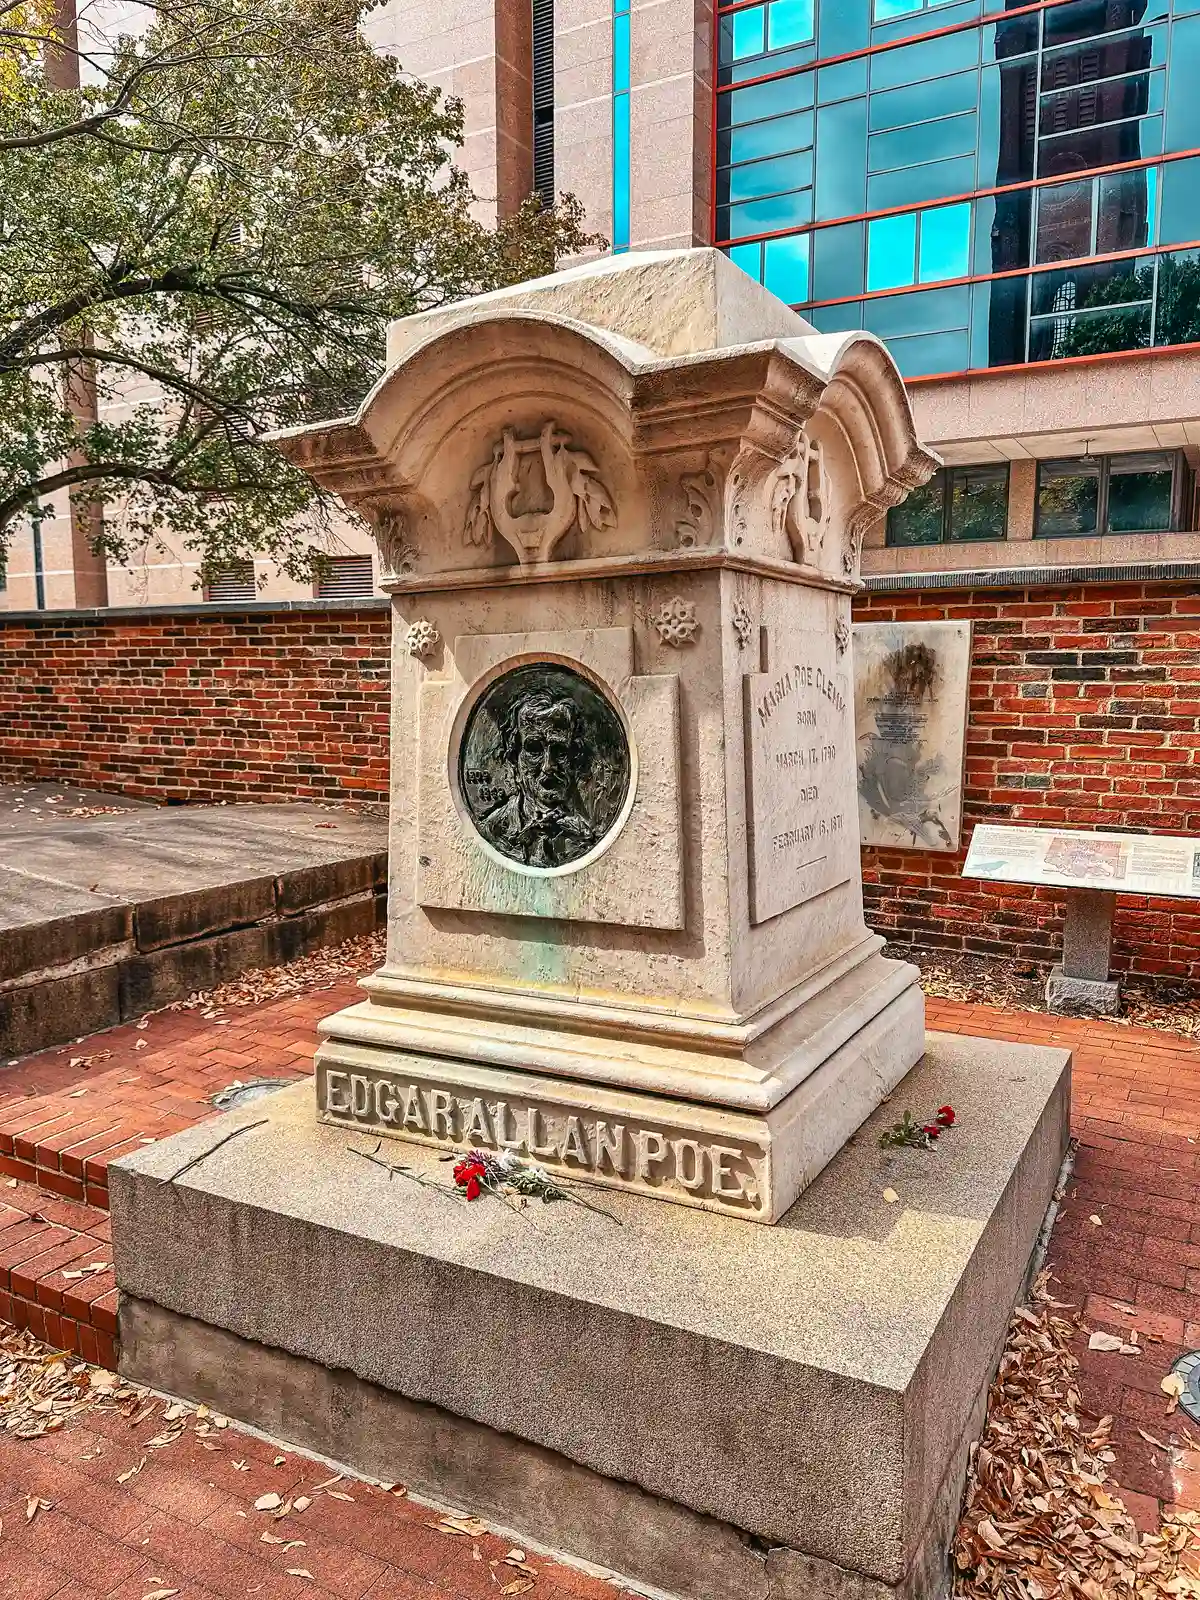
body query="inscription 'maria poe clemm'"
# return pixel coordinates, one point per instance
(543, 765)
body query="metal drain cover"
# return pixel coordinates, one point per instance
(1188, 1368)
(241, 1094)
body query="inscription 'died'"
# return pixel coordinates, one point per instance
(604, 1150)
(801, 796)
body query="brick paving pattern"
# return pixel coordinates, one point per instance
(186, 1520)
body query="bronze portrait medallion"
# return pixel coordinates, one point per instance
(543, 765)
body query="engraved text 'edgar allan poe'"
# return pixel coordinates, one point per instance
(543, 766)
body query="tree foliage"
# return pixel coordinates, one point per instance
(209, 232)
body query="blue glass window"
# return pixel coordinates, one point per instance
(749, 32)
(892, 251)
(758, 139)
(789, 22)
(930, 141)
(838, 261)
(769, 99)
(786, 267)
(749, 258)
(620, 123)
(620, 52)
(841, 176)
(770, 177)
(945, 243)
(1179, 220)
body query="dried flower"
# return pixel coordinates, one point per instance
(915, 1135)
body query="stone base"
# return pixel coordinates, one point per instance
(704, 1407)
(738, 1121)
(1082, 997)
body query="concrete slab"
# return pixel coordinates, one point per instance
(809, 1388)
(143, 905)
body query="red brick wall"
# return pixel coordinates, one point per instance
(1085, 713)
(224, 705)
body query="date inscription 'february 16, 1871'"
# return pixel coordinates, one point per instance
(620, 1150)
(543, 766)
(803, 807)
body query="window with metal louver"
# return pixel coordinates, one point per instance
(346, 578)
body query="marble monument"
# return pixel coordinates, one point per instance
(620, 511)
(625, 933)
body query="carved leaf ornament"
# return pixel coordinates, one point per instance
(509, 494)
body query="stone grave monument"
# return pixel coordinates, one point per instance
(620, 512)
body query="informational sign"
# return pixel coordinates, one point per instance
(801, 794)
(1128, 863)
(910, 724)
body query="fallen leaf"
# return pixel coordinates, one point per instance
(1150, 1439)
(336, 1494)
(1097, 1222)
(1173, 1384)
(463, 1525)
(301, 1503)
(1113, 1342)
(12, 1183)
(298, 1572)
(124, 1477)
(890, 1196)
(139, 1044)
(991, 1535)
(270, 1538)
(267, 1502)
(240, 1466)
(33, 1505)
(76, 1093)
(278, 1461)
(517, 1586)
(515, 1555)
(160, 1594)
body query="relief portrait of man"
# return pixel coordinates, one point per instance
(545, 767)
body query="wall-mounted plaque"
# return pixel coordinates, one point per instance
(910, 723)
(543, 766)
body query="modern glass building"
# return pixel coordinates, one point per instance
(1007, 193)
(981, 186)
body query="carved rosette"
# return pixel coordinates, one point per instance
(801, 499)
(421, 639)
(743, 624)
(676, 621)
(509, 494)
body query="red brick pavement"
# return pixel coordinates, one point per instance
(186, 1522)
(1136, 1115)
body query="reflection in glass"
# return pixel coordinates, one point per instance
(771, 138)
(1140, 493)
(1068, 498)
(921, 517)
(979, 502)
(748, 32)
(1064, 221)
(1177, 318)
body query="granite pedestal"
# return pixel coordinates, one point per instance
(1081, 985)
(708, 1409)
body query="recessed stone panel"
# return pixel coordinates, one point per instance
(800, 798)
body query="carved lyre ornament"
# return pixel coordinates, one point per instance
(801, 499)
(534, 491)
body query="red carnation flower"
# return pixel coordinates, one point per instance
(933, 1130)
(467, 1175)
(473, 1189)
(945, 1116)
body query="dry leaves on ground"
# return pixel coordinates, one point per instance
(40, 1388)
(320, 970)
(1039, 1522)
(1020, 986)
